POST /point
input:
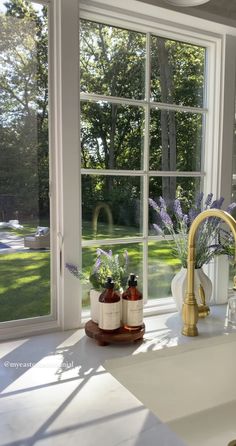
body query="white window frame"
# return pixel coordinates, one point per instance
(26, 327)
(64, 131)
(215, 43)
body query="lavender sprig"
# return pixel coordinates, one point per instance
(178, 224)
(231, 207)
(177, 209)
(208, 200)
(77, 272)
(106, 264)
(198, 201)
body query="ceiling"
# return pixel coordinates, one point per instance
(223, 10)
(226, 8)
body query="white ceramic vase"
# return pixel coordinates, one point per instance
(179, 285)
(94, 305)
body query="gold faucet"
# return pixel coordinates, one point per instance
(190, 307)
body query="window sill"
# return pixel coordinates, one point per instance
(152, 307)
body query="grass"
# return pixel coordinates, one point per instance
(25, 276)
(24, 285)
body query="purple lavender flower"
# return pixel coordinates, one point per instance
(199, 200)
(153, 204)
(97, 263)
(104, 253)
(208, 236)
(217, 203)
(193, 213)
(165, 218)
(177, 209)
(163, 204)
(105, 265)
(208, 200)
(158, 229)
(231, 207)
(74, 270)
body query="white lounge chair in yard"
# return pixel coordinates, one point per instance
(12, 224)
(40, 240)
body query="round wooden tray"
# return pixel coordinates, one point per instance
(122, 336)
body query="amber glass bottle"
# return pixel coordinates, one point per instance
(109, 308)
(132, 305)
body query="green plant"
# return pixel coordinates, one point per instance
(227, 243)
(106, 264)
(175, 222)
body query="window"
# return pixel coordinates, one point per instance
(157, 119)
(25, 279)
(143, 120)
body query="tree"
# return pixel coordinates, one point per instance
(24, 107)
(112, 64)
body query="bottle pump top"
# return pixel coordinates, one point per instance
(109, 283)
(132, 280)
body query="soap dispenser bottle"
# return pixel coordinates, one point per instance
(109, 308)
(132, 305)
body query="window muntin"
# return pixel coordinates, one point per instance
(185, 114)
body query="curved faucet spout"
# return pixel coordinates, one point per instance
(190, 307)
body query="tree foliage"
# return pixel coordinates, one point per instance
(112, 135)
(112, 63)
(24, 108)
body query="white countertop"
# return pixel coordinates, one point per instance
(55, 390)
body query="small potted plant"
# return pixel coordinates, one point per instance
(106, 264)
(172, 221)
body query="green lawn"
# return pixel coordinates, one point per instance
(24, 285)
(25, 276)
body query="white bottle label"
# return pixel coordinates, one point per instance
(134, 313)
(109, 315)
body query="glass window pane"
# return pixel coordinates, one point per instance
(232, 268)
(112, 60)
(135, 259)
(177, 72)
(111, 206)
(111, 136)
(234, 160)
(24, 162)
(175, 140)
(185, 189)
(162, 266)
